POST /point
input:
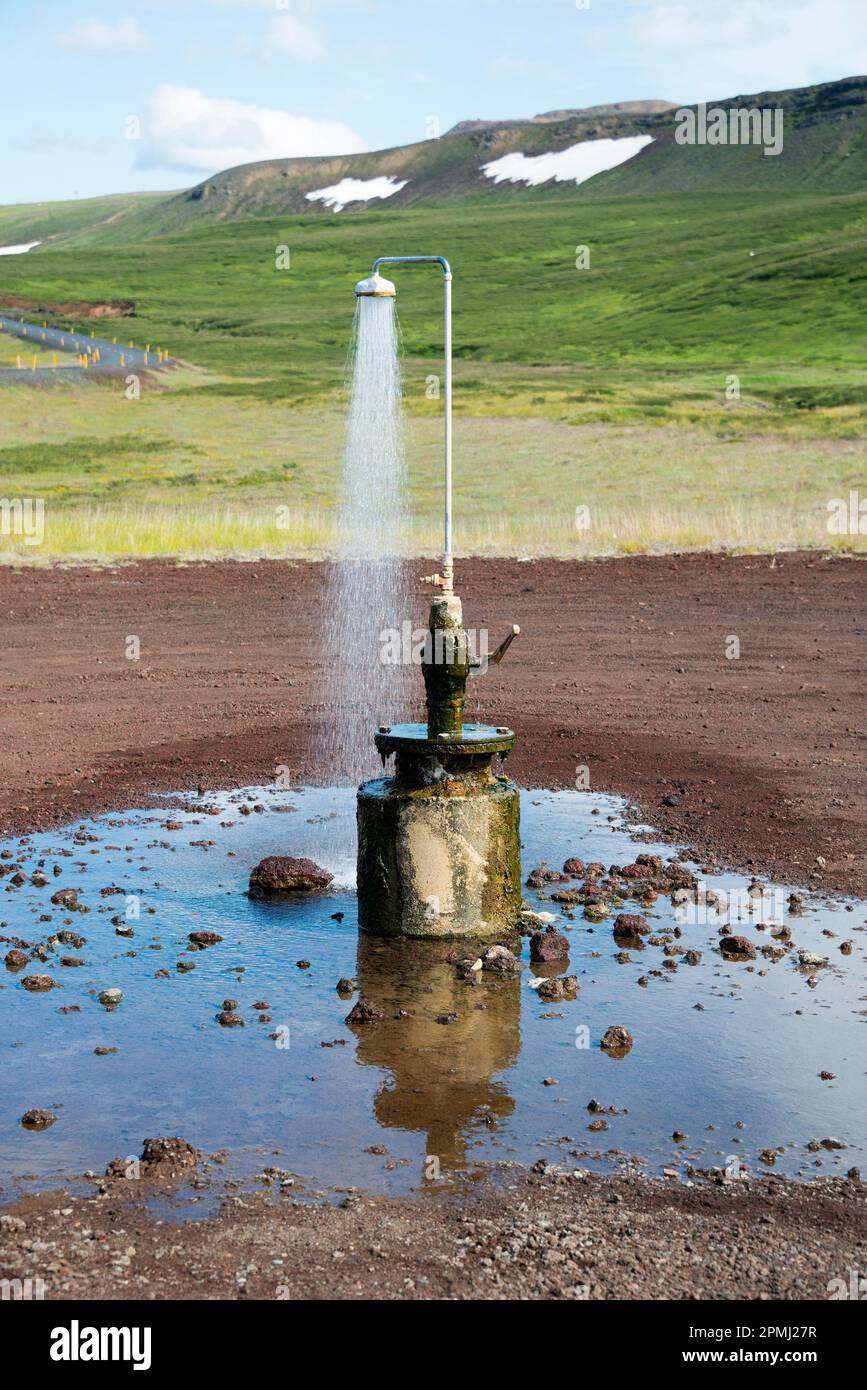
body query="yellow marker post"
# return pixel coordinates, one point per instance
(54, 359)
(33, 365)
(122, 360)
(18, 362)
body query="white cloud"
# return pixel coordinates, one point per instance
(575, 164)
(294, 39)
(186, 129)
(356, 191)
(746, 46)
(94, 36)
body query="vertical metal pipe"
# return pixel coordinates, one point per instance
(448, 567)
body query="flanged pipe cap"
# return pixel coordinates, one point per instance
(375, 287)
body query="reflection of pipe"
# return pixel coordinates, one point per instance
(377, 286)
(442, 1074)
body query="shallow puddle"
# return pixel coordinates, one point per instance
(385, 1106)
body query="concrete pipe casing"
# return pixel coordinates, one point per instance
(439, 853)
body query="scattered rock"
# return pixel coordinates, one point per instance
(364, 1011)
(345, 985)
(16, 960)
(617, 1040)
(39, 984)
(562, 987)
(810, 959)
(737, 947)
(229, 1019)
(499, 960)
(282, 874)
(110, 998)
(38, 1119)
(549, 945)
(66, 897)
(200, 940)
(630, 926)
(167, 1155)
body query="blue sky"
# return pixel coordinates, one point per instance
(200, 85)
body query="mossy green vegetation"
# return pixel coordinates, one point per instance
(702, 382)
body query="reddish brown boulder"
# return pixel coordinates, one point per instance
(282, 874)
(38, 984)
(738, 946)
(201, 939)
(364, 1011)
(548, 945)
(574, 868)
(630, 926)
(65, 897)
(617, 1040)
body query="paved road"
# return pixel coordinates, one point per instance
(113, 357)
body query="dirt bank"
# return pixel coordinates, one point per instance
(621, 666)
(551, 1236)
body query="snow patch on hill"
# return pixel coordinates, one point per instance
(356, 191)
(577, 163)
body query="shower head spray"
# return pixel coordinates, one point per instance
(375, 287)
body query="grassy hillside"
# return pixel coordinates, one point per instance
(22, 222)
(674, 282)
(824, 150)
(603, 387)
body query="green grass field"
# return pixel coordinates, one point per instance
(609, 388)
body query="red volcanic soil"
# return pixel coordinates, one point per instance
(621, 667)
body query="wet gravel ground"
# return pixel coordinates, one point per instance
(557, 1235)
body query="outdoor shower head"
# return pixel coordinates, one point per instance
(375, 287)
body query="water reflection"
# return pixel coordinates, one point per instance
(443, 1075)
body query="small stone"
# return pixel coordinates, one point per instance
(737, 947)
(630, 926)
(617, 1040)
(16, 960)
(562, 987)
(364, 1011)
(66, 897)
(228, 1019)
(499, 960)
(303, 964)
(200, 940)
(39, 984)
(345, 985)
(38, 1119)
(110, 998)
(548, 945)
